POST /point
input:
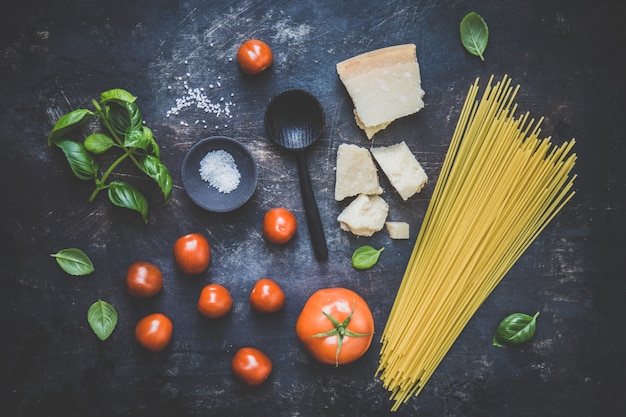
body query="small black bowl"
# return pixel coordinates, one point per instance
(204, 194)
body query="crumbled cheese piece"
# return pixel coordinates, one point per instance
(356, 172)
(219, 169)
(401, 167)
(365, 215)
(397, 230)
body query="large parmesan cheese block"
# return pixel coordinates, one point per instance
(356, 172)
(365, 215)
(384, 85)
(401, 167)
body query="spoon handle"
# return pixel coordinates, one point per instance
(312, 213)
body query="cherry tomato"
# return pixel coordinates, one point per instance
(279, 225)
(251, 366)
(215, 301)
(343, 339)
(154, 332)
(192, 253)
(143, 279)
(267, 296)
(254, 56)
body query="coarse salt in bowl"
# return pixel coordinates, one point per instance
(219, 174)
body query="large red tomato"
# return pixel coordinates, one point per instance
(336, 326)
(192, 253)
(251, 366)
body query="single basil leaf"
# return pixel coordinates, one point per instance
(117, 94)
(67, 123)
(365, 257)
(137, 139)
(98, 143)
(74, 261)
(123, 117)
(102, 318)
(125, 195)
(474, 34)
(154, 147)
(155, 169)
(515, 329)
(83, 165)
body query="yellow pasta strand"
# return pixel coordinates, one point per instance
(500, 185)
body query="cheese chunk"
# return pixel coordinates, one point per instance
(397, 230)
(365, 215)
(384, 85)
(356, 172)
(402, 169)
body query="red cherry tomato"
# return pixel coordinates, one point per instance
(267, 296)
(279, 225)
(143, 279)
(154, 332)
(215, 301)
(251, 366)
(192, 253)
(339, 341)
(254, 56)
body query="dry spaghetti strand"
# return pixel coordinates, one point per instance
(499, 187)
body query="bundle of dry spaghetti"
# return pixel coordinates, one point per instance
(499, 187)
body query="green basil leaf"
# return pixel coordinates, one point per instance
(515, 329)
(98, 143)
(474, 34)
(83, 165)
(67, 123)
(102, 318)
(123, 117)
(74, 261)
(155, 169)
(154, 147)
(365, 257)
(137, 139)
(117, 94)
(125, 195)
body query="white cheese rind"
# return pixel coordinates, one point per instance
(365, 215)
(356, 172)
(384, 85)
(401, 167)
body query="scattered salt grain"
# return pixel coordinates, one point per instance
(219, 169)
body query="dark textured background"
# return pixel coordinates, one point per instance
(57, 55)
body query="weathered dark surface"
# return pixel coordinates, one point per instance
(568, 58)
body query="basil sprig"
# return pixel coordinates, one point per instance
(365, 257)
(474, 34)
(74, 261)
(515, 329)
(102, 318)
(124, 131)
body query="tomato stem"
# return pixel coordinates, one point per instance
(340, 330)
